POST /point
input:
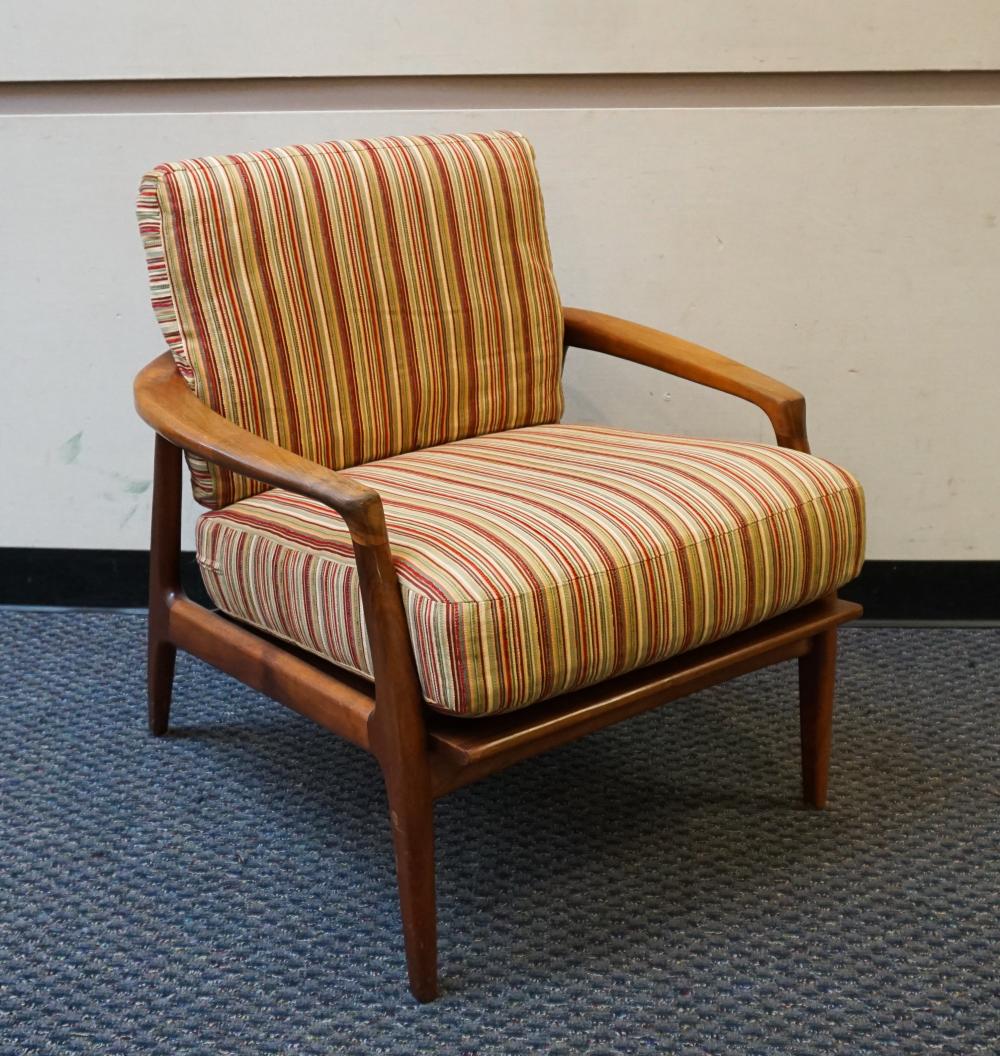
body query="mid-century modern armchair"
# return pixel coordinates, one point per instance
(365, 350)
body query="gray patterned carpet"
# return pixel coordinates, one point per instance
(654, 889)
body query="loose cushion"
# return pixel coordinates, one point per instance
(538, 560)
(353, 300)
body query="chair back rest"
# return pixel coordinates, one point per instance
(355, 300)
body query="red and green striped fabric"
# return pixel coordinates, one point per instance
(539, 560)
(354, 300)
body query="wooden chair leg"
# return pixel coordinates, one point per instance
(817, 671)
(159, 682)
(397, 736)
(164, 581)
(412, 818)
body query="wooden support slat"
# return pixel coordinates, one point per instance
(465, 750)
(273, 669)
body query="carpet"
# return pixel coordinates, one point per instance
(655, 888)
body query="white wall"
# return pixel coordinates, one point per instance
(47, 40)
(851, 250)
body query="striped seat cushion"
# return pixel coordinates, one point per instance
(353, 300)
(538, 560)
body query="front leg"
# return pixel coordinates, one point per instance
(817, 669)
(164, 580)
(411, 812)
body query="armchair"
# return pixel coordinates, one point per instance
(403, 543)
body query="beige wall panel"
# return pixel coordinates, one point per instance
(109, 39)
(854, 253)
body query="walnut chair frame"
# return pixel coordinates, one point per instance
(424, 754)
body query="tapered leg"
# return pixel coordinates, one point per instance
(398, 738)
(412, 817)
(817, 670)
(164, 581)
(160, 683)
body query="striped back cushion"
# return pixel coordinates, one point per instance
(354, 300)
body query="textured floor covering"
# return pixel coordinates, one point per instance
(655, 888)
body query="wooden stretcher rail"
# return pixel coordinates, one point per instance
(464, 750)
(272, 669)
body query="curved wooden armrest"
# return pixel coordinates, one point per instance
(165, 401)
(784, 406)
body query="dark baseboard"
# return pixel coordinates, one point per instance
(890, 591)
(928, 591)
(104, 579)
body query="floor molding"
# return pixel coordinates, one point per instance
(929, 592)
(903, 593)
(507, 92)
(102, 579)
